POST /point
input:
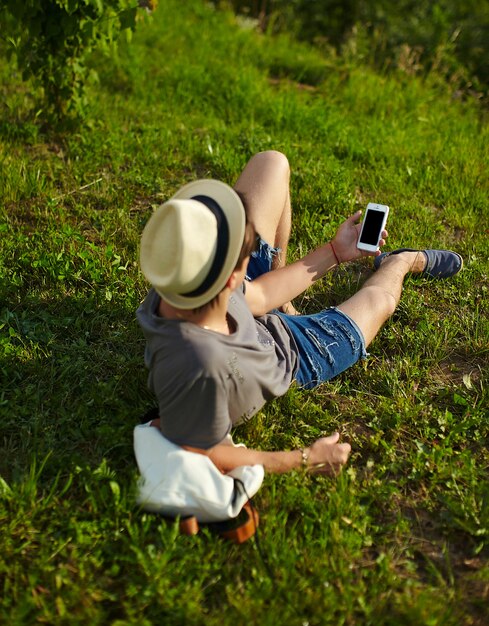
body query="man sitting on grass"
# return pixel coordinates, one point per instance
(222, 335)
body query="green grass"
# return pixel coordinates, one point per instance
(401, 537)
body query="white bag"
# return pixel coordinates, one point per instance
(176, 482)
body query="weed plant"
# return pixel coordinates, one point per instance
(401, 537)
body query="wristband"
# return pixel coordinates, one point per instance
(334, 252)
(305, 457)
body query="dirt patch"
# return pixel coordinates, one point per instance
(460, 369)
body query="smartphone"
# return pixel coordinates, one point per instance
(372, 226)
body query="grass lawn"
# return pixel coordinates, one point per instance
(402, 536)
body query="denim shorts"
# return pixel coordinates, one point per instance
(328, 342)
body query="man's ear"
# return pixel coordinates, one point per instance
(232, 281)
(237, 276)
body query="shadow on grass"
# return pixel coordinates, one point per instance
(74, 382)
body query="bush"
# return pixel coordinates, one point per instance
(51, 40)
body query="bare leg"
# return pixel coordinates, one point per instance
(378, 298)
(265, 184)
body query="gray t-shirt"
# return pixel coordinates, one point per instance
(206, 382)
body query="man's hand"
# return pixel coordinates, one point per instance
(327, 456)
(345, 240)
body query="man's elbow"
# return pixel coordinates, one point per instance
(258, 309)
(257, 304)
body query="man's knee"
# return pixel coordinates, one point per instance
(275, 159)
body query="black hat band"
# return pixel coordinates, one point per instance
(221, 249)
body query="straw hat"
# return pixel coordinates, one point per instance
(191, 244)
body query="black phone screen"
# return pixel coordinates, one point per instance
(371, 228)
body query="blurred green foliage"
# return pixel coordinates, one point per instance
(451, 36)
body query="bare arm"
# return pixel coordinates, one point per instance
(275, 288)
(325, 455)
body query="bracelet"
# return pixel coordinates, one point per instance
(338, 262)
(305, 457)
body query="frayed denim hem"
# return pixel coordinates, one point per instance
(328, 343)
(261, 260)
